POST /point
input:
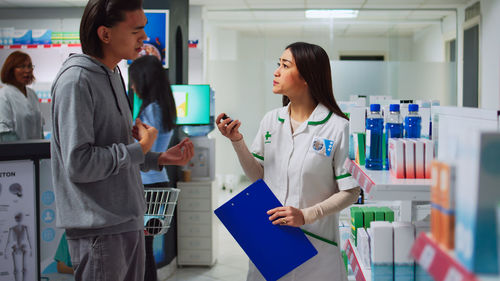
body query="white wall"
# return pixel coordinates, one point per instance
(490, 54)
(195, 55)
(429, 44)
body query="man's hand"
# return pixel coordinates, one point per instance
(144, 134)
(178, 155)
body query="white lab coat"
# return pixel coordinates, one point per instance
(20, 114)
(304, 169)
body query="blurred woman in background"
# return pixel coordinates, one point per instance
(20, 116)
(150, 82)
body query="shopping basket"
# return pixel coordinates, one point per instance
(160, 206)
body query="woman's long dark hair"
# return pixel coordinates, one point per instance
(151, 82)
(314, 67)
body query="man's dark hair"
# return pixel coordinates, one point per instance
(106, 13)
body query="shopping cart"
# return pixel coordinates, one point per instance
(160, 206)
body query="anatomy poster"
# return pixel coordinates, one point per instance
(50, 235)
(17, 221)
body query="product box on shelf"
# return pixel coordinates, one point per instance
(7, 35)
(388, 214)
(364, 248)
(41, 36)
(404, 265)
(56, 37)
(356, 222)
(381, 250)
(396, 158)
(424, 110)
(368, 216)
(477, 193)
(379, 214)
(435, 189)
(447, 224)
(359, 148)
(428, 156)
(419, 158)
(70, 37)
(436, 222)
(409, 158)
(447, 186)
(22, 36)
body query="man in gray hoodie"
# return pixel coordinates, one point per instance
(95, 161)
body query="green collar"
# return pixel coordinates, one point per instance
(320, 115)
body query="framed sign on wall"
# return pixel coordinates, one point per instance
(157, 31)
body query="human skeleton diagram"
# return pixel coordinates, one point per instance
(19, 238)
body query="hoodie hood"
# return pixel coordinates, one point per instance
(84, 61)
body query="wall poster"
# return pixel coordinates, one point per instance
(157, 31)
(18, 236)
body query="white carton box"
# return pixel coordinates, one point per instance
(363, 245)
(409, 158)
(396, 158)
(381, 247)
(419, 158)
(404, 236)
(428, 157)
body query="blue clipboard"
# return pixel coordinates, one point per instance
(274, 249)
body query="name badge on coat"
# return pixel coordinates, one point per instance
(322, 146)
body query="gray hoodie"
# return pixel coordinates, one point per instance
(95, 161)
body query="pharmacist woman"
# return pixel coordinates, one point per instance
(20, 116)
(299, 151)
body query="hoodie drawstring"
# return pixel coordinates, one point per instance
(113, 89)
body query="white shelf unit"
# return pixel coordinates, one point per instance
(382, 186)
(360, 273)
(196, 230)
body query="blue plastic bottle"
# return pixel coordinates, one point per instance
(413, 122)
(374, 134)
(393, 129)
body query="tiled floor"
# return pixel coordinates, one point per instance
(232, 262)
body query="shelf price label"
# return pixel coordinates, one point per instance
(427, 257)
(453, 275)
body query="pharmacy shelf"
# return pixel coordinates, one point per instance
(440, 263)
(381, 185)
(352, 254)
(38, 46)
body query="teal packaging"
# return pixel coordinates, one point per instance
(382, 272)
(404, 272)
(404, 238)
(22, 36)
(477, 194)
(41, 36)
(421, 274)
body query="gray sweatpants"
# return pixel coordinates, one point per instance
(115, 257)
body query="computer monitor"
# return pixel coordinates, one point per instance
(192, 103)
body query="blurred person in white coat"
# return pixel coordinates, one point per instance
(20, 116)
(299, 151)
